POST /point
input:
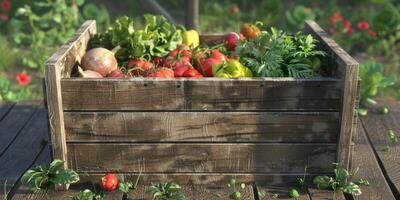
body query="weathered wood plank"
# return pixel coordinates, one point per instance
(14, 122)
(24, 150)
(377, 127)
(201, 94)
(59, 66)
(212, 38)
(317, 194)
(346, 68)
(280, 192)
(201, 157)
(200, 192)
(25, 194)
(5, 107)
(202, 126)
(363, 157)
(204, 178)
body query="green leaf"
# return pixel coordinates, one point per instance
(363, 181)
(55, 165)
(351, 188)
(341, 175)
(392, 136)
(67, 176)
(323, 182)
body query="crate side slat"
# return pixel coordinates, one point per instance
(213, 94)
(202, 126)
(205, 178)
(346, 68)
(201, 157)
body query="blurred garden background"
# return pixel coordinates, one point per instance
(30, 31)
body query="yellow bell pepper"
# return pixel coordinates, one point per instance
(191, 37)
(232, 69)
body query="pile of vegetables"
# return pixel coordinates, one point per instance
(162, 50)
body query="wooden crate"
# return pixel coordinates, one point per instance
(201, 130)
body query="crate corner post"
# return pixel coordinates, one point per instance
(57, 67)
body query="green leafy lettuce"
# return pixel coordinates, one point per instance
(157, 38)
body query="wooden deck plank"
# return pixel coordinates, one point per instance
(24, 150)
(280, 192)
(364, 158)
(377, 127)
(200, 192)
(43, 158)
(26, 194)
(317, 194)
(14, 122)
(4, 108)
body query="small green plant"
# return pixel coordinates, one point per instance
(165, 191)
(302, 181)
(294, 193)
(340, 182)
(235, 195)
(393, 138)
(125, 187)
(372, 80)
(43, 177)
(89, 195)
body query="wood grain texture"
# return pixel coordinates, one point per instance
(202, 126)
(201, 157)
(24, 150)
(201, 94)
(59, 66)
(200, 192)
(14, 122)
(204, 178)
(363, 157)
(346, 68)
(25, 194)
(387, 151)
(5, 107)
(211, 39)
(325, 194)
(282, 192)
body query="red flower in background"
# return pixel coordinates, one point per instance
(332, 31)
(371, 33)
(347, 25)
(363, 25)
(234, 8)
(5, 5)
(336, 17)
(3, 17)
(23, 78)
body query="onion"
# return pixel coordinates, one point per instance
(89, 73)
(116, 74)
(100, 60)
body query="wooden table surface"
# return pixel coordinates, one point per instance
(24, 143)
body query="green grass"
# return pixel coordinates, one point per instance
(7, 55)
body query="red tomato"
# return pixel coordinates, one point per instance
(192, 73)
(178, 71)
(139, 66)
(163, 73)
(207, 66)
(109, 182)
